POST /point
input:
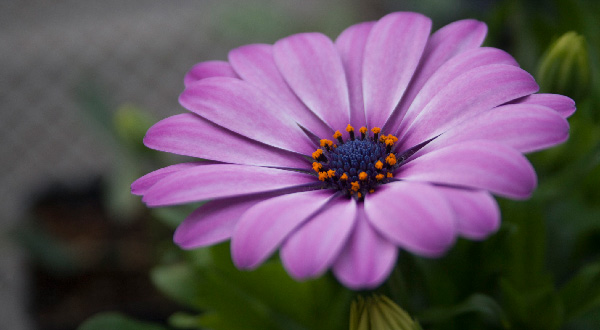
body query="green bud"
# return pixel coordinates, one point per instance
(564, 68)
(131, 124)
(379, 313)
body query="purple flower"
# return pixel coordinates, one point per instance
(338, 153)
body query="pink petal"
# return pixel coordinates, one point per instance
(214, 221)
(208, 69)
(559, 103)
(476, 212)
(367, 258)
(190, 135)
(393, 50)
(312, 248)
(244, 109)
(523, 127)
(474, 91)
(351, 47)
(266, 225)
(313, 69)
(221, 180)
(413, 215)
(141, 185)
(255, 64)
(446, 43)
(476, 164)
(420, 95)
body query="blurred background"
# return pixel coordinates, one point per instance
(83, 80)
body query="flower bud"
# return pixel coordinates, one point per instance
(130, 124)
(379, 313)
(564, 68)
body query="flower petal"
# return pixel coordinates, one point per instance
(221, 180)
(421, 92)
(473, 91)
(393, 50)
(313, 69)
(559, 103)
(208, 69)
(213, 222)
(476, 164)
(351, 47)
(255, 64)
(367, 258)
(311, 249)
(266, 225)
(447, 42)
(476, 211)
(414, 216)
(190, 135)
(523, 127)
(141, 185)
(244, 109)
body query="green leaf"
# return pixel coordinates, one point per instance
(480, 304)
(266, 298)
(533, 308)
(179, 282)
(582, 293)
(116, 321)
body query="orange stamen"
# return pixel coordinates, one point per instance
(317, 154)
(322, 176)
(363, 130)
(337, 134)
(390, 175)
(362, 176)
(331, 173)
(379, 165)
(391, 159)
(325, 142)
(344, 177)
(349, 128)
(317, 166)
(376, 130)
(379, 177)
(355, 185)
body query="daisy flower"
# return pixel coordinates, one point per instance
(340, 153)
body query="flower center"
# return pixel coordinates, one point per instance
(359, 164)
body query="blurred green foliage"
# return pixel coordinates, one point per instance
(540, 271)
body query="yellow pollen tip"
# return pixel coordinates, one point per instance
(337, 134)
(317, 154)
(331, 173)
(349, 128)
(379, 177)
(390, 175)
(389, 142)
(355, 185)
(359, 195)
(379, 165)
(391, 159)
(363, 130)
(395, 139)
(376, 130)
(322, 176)
(326, 142)
(372, 191)
(317, 166)
(344, 177)
(362, 176)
